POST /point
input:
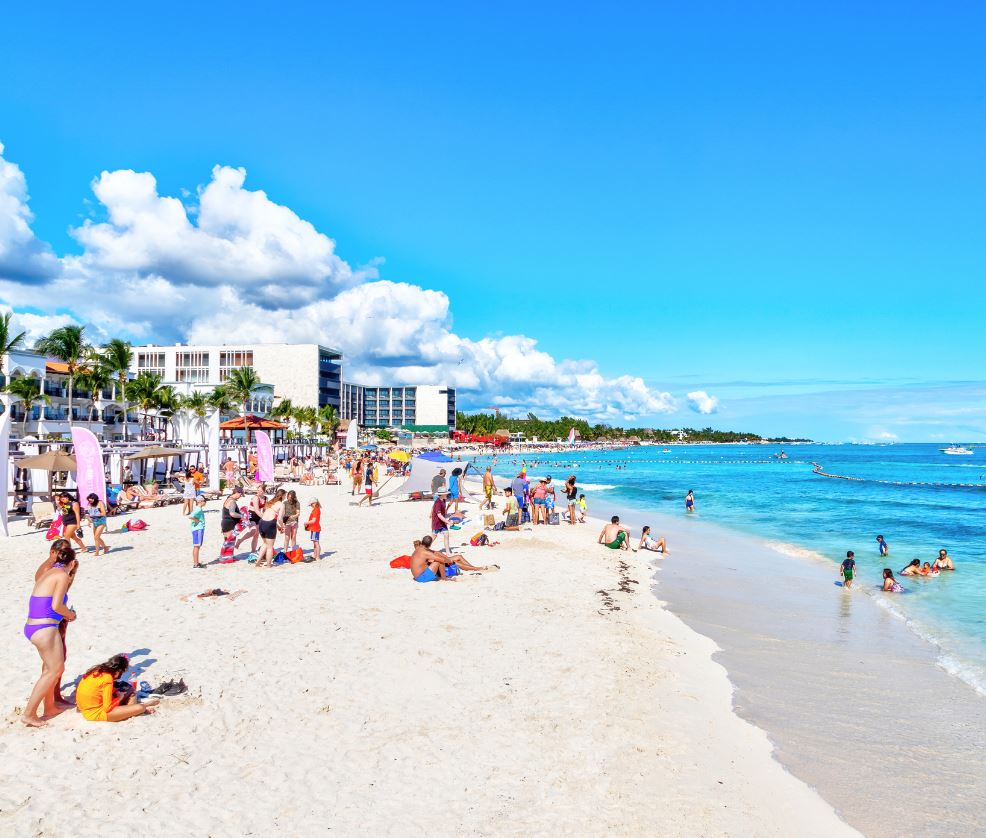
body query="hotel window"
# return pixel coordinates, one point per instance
(150, 362)
(234, 359)
(192, 366)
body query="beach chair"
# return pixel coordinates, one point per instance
(282, 473)
(42, 514)
(147, 498)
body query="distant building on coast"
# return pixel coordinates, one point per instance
(308, 374)
(420, 408)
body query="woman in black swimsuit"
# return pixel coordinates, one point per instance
(71, 515)
(572, 496)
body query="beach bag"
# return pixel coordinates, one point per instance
(55, 529)
(416, 496)
(401, 561)
(499, 525)
(294, 556)
(479, 539)
(135, 525)
(280, 558)
(451, 570)
(489, 521)
(553, 518)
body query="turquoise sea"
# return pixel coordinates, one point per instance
(910, 493)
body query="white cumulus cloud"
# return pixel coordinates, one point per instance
(229, 264)
(702, 402)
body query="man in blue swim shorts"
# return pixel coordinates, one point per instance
(429, 566)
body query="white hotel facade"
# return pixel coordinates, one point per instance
(306, 373)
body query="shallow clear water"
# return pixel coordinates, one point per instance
(784, 502)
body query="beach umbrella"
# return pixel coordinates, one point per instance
(155, 452)
(400, 456)
(49, 461)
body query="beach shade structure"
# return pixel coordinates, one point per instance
(422, 470)
(57, 460)
(155, 452)
(50, 461)
(400, 456)
(434, 457)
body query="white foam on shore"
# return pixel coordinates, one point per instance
(949, 660)
(594, 487)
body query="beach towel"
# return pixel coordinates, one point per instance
(401, 562)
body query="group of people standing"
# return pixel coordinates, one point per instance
(262, 519)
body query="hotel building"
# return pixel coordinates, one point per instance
(308, 374)
(422, 408)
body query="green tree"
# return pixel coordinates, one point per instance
(196, 404)
(328, 418)
(145, 392)
(28, 391)
(239, 387)
(91, 380)
(117, 358)
(68, 345)
(8, 340)
(219, 400)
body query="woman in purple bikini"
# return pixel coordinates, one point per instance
(47, 608)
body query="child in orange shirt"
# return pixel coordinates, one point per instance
(314, 528)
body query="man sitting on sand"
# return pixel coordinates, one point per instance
(615, 535)
(429, 566)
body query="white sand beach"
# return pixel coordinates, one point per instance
(553, 697)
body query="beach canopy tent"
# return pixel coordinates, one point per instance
(422, 470)
(434, 457)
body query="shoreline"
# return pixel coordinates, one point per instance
(778, 668)
(554, 696)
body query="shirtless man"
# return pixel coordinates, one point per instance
(489, 487)
(429, 566)
(615, 535)
(944, 562)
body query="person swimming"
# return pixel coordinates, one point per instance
(927, 570)
(944, 562)
(913, 569)
(891, 585)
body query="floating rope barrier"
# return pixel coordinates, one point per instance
(667, 461)
(818, 469)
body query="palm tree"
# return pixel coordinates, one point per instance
(68, 345)
(116, 358)
(196, 404)
(145, 392)
(329, 420)
(306, 416)
(8, 341)
(284, 410)
(91, 381)
(239, 387)
(219, 400)
(168, 406)
(28, 391)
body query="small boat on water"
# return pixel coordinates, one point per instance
(958, 450)
(781, 456)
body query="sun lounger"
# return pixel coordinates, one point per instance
(150, 497)
(42, 514)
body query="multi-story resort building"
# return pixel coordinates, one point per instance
(422, 408)
(308, 374)
(102, 414)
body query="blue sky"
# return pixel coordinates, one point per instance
(782, 208)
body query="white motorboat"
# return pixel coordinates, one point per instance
(958, 450)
